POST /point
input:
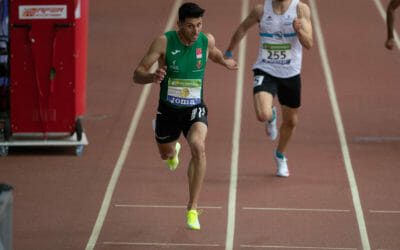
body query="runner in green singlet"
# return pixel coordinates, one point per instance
(182, 56)
(185, 71)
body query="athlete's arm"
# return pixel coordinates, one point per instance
(253, 18)
(216, 55)
(389, 22)
(142, 74)
(302, 25)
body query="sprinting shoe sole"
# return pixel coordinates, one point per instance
(270, 126)
(173, 163)
(283, 170)
(193, 220)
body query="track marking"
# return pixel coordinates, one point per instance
(162, 206)
(125, 148)
(382, 11)
(383, 212)
(295, 247)
(160, 244)
(339, 125)
(297, 209)
(376, 139)
(230, 234)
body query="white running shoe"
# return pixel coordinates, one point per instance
(270, 126)
(283, 170)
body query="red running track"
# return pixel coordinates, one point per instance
(58, 196)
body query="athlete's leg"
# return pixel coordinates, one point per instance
(167, 133)
(197, 167)
(289, 95)
(289, 122)
(263, 105)
(167, 150)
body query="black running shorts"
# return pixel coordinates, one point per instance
(171, 122)
(287, 89)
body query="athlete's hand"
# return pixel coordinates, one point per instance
(389, 44)
(297, 25)
(159, 74)
(231, 64)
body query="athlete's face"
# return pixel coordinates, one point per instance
(190, 29)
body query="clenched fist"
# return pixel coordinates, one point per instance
(297, 25)
(159, 75)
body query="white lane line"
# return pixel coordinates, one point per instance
(376, 139)
(159, 244)
(383, 212)
(298, 209)
(295, 247)
(230, 234)
(382, 11)
(125, 148)
(339, 125)
(162, 206)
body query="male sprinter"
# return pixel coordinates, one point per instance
(285, 27)
(182, 57)
(389, 22)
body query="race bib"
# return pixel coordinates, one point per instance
(184, 92)
(277, 53)
(258, 80)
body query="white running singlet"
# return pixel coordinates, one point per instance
(280, 52)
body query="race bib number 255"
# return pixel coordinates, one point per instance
(277, 53)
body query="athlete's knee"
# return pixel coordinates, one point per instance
(264, 115)
(166, 152)
(198, 150)
(166, 155)
(290, 122)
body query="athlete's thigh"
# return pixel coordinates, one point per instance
(166, 134)
(197, 133)
(197, 114)
(289, 114)
(264, 90)
(289, 91)
(263, 102)
(167, 126)
(167, 130)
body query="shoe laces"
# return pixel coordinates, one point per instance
(196, 212)
(192, 215)
(280, 159)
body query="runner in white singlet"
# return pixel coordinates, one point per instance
(284, 29)
(280, 50)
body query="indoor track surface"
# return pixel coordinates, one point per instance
(344, 159)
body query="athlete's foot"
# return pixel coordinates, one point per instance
(281, 162)
(193, 220)
(173, 163)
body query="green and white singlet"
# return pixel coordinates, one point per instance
(183, 84)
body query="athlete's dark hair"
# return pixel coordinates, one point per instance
(190, 10)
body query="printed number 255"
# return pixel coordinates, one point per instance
(276, 54)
